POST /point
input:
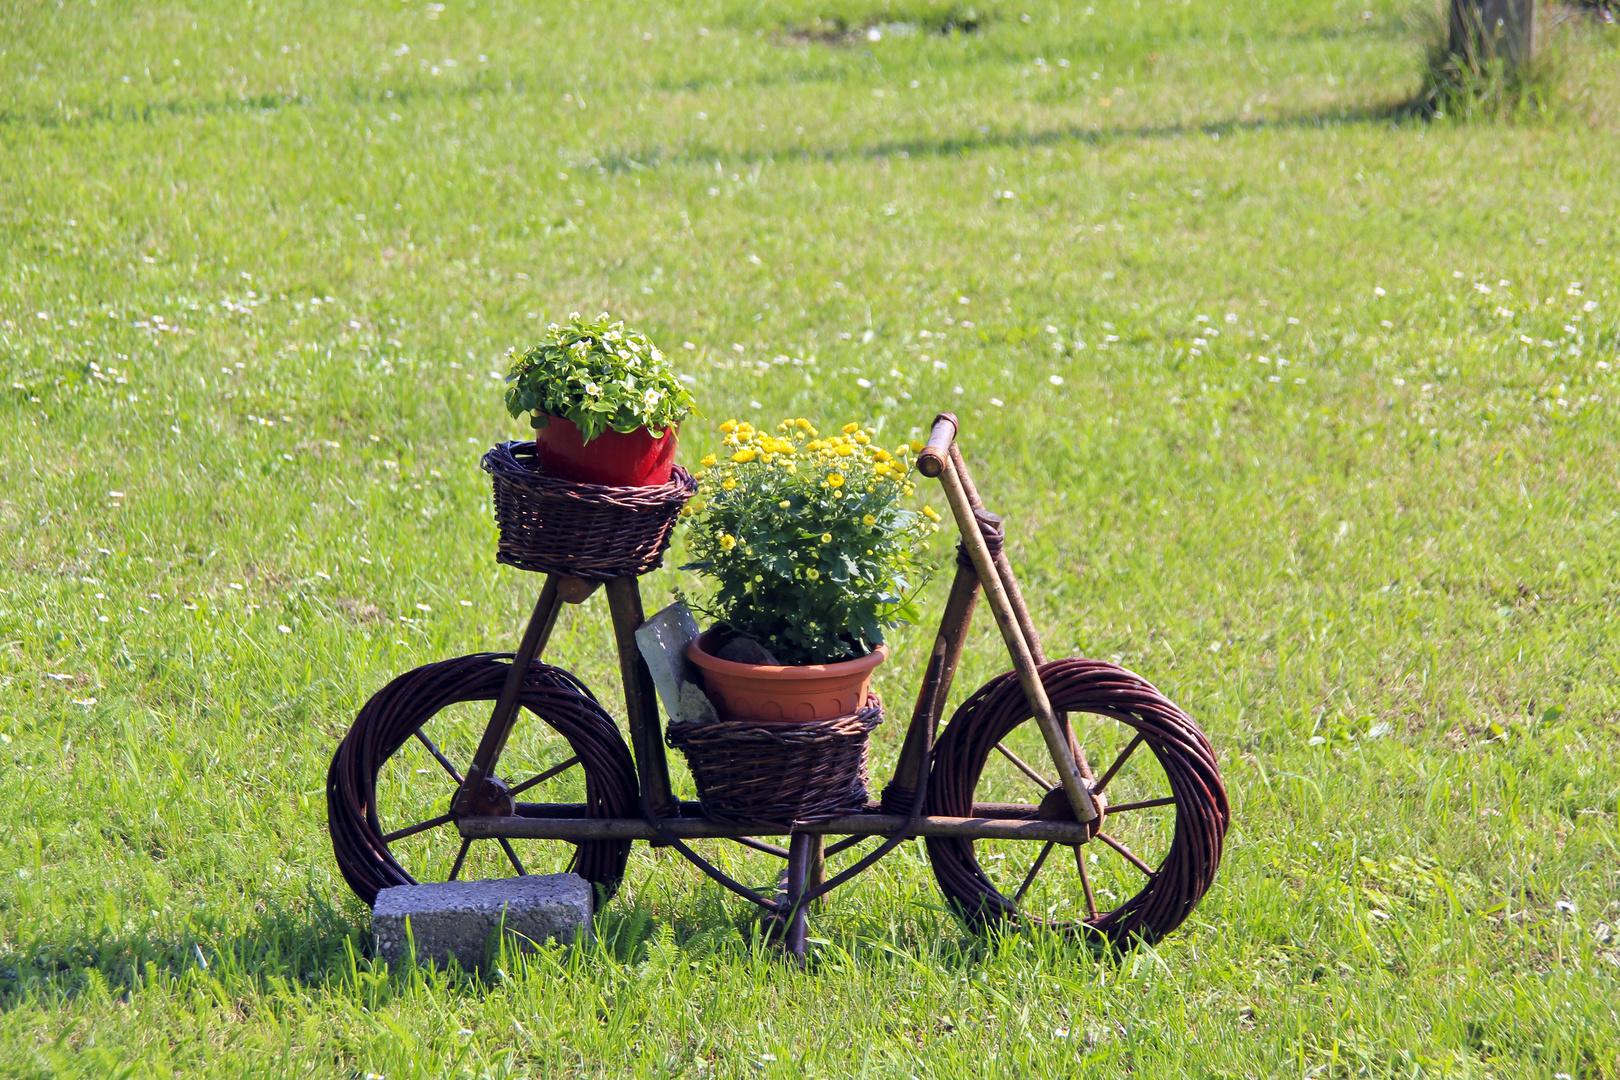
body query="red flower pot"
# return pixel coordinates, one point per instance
(616, 459)
(800, 692)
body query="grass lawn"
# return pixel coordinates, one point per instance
(1300, 407)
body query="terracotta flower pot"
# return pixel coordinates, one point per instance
(617, 459)
(799, 692)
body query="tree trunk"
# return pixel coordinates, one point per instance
(1486, 30)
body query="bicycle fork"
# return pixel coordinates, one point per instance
(982, 536)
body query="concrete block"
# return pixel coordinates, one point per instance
(459, 919)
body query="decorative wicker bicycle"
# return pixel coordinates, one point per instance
(991, 818)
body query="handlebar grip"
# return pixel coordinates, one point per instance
(931, 459)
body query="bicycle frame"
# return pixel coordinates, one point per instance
(486, 807)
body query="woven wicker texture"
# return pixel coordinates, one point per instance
(554, 526)
(779, 773)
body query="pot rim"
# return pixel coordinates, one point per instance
(656, 434)
(700, 655)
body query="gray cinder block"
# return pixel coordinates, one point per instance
(459, 918)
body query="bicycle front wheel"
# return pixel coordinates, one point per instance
(1152, 856)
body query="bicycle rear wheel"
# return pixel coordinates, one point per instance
(390, 783)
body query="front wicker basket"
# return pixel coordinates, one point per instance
(554, 526)
(752, 773)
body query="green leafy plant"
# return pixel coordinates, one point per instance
(805, 540)
(598, 375)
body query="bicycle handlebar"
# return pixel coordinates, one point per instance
(931, 459)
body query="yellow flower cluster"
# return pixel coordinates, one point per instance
(804, 540)
(853, 455)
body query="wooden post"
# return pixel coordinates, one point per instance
(1484, 30)
(640, 698)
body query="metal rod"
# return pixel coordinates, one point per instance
(501, 718)
(1130, 855)
(1120, 808)
(640, 698)
(760, 845)
(1054, 732)
(660, 829)
(862, 825)
(1029, 878)
(506, 845)
(547, 775)
(1085, 882)
(420, 826)
(461, 857)
(449, 767)
(1130, 748)
(1026, 768)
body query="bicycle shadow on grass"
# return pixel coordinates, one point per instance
(960, 145)
(306, 943)
(914, 935)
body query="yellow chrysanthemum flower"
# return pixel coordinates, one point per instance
(708, 460)
(727, 541)
(835, 480)
(850, 429)
(728, 427)
(826, 538)
(728, 483)
(785, 505)
(916, 447)
(930, 513)
(869, 521)
(743, 456)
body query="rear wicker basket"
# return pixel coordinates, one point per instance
(754, 773)
(589, 531)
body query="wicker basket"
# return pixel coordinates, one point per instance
(752, 773)
(554, 526)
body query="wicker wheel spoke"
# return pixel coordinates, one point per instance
(1120, 808)
(547, 775)
(412, 830)
(517, 863)
(1114, 768)
(438, 756)
(843, 845)
(1029, 878)
(461, 857)
(1026, 768)
(1085, 882)
(1130, 856)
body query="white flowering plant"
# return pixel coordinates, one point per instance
(599, 375)
(805, 540)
